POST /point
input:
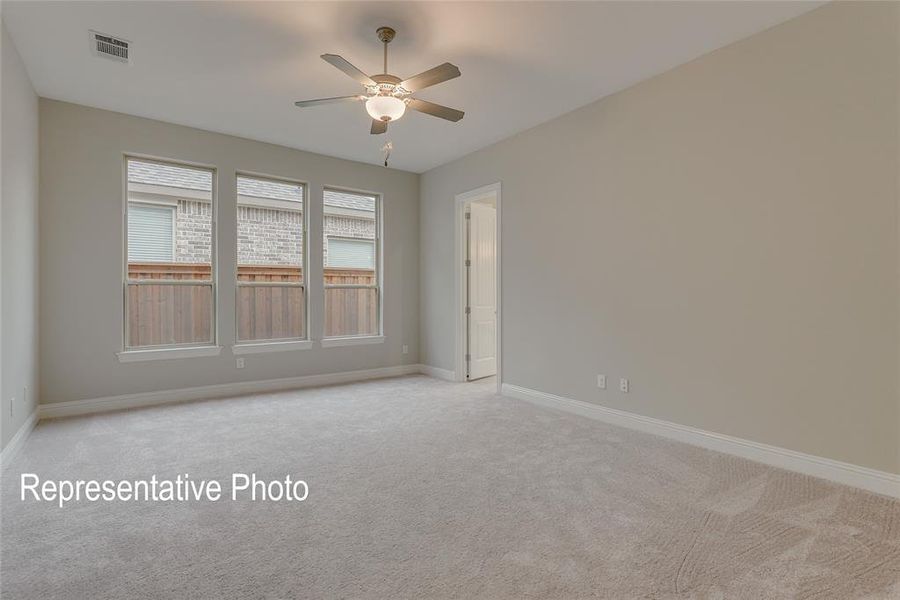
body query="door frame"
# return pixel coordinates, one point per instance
(459, 257)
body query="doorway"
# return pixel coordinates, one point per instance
(478, 284)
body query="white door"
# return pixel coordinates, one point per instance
(482, 291)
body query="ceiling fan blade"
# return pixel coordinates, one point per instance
(378, 127)
(341, 63)
(430, 77)
(435, 110)
(305, 103)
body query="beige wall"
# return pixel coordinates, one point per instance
(18, 242)
(724, 234)
(81, 248)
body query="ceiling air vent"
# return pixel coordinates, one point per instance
(110, 47)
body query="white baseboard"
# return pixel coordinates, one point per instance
(872, 480)
(18, 440)
(437, 372)
(95, 405)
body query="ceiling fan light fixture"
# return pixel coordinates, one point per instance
(385, 108)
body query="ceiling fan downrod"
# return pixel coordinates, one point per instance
(385, 34)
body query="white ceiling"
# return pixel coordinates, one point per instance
(237, 67)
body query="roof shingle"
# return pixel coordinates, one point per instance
(150, 173)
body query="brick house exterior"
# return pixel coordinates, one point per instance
(270, 216)
(269, 236)
(193, 239)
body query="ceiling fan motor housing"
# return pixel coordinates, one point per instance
(387, 85)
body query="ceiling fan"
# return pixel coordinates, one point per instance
(387, 96)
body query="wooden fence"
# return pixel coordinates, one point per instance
(180, 313)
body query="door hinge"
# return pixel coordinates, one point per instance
(468, 215)
(468, 310)
(468, 358)
(468, 263)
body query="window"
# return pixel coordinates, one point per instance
(169, 275)
(352, 224)
(271, 291)
(351, 254)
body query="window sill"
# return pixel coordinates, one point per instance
(265, 347)
(167, 353)
(361, 340)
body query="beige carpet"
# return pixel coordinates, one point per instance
(426, 489)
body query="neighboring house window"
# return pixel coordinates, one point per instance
(352, 270)
(271, 285)
(151, 233)
(351, 253)
(169, 279)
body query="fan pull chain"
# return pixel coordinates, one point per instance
(388, 146)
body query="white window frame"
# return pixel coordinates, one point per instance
(274, 344)
(170, 351)
(365, 338)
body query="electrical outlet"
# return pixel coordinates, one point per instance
(623, 385)
(405, 349)
(239, 363)
(601, 382)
